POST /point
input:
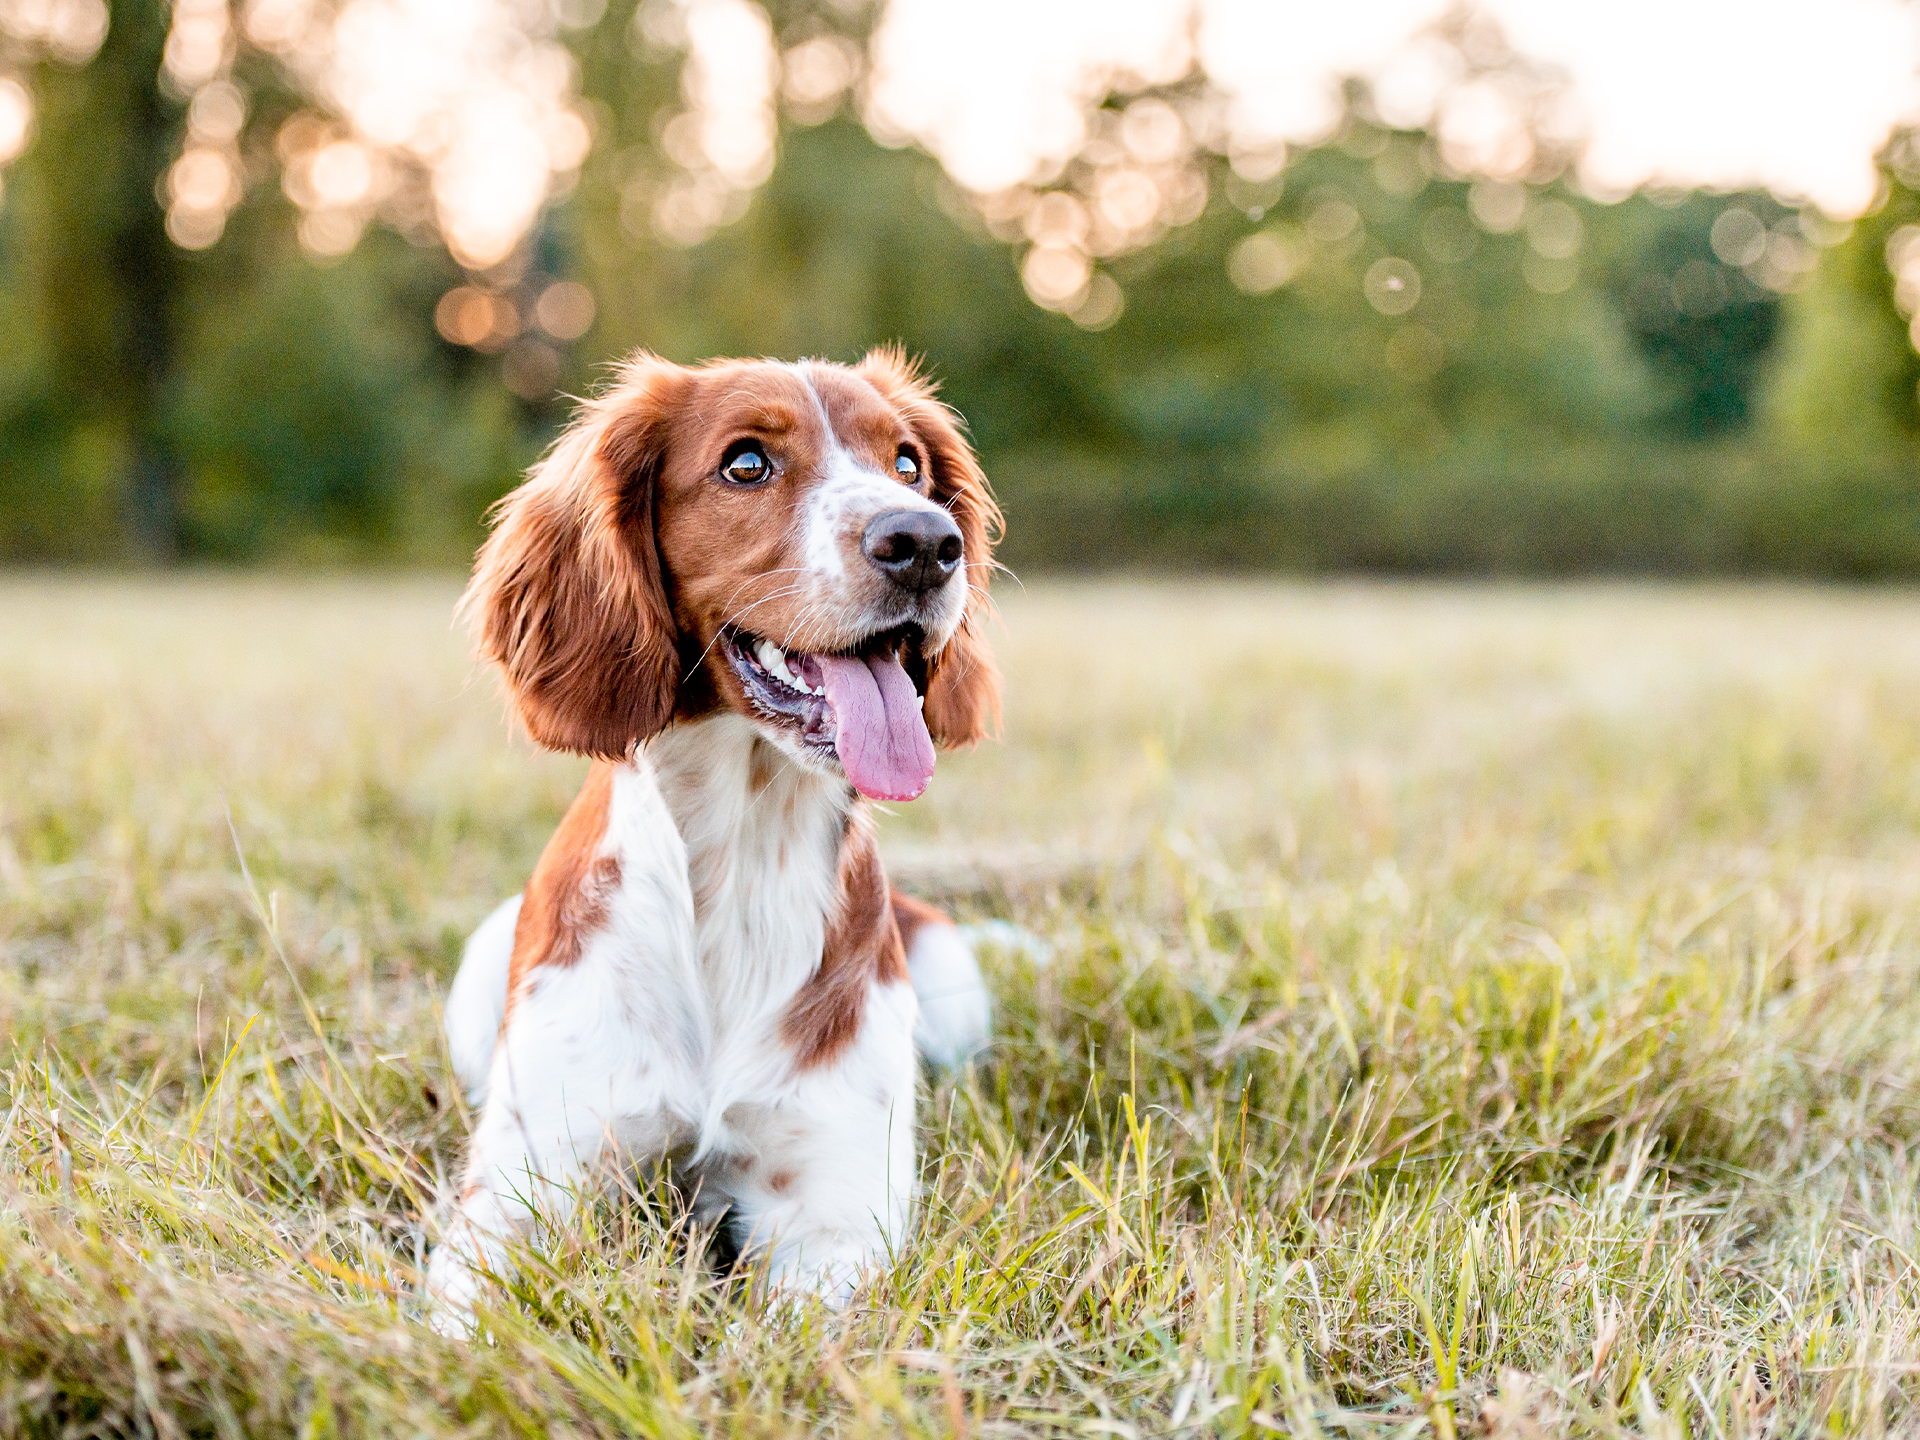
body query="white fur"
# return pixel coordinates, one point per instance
(956, 1008)
(664, 1036)
(956, 1013)
(608, 1048)
(478, 998)
(845, 498)
(848, 488)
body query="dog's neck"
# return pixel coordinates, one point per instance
(763, 840)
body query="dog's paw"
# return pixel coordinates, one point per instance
(452, 1288)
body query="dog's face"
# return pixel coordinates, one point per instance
(806, 545)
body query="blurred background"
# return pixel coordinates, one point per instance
(1522, 288)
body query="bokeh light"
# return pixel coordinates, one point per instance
(1554, 230)
(16, 118)
(1792, 87)
(471, 108)
(531, 369)
(1738, 237)
(1392, 285)
(1498, 206)
(1102, 304)
(816, 76)
(1266, 260)
(723, 141)
(1001, 114)
(464, 121)
(565, 310)
(69, 31)
(1088, 141)
(1056, 276)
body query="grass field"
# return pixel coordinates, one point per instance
(1478, 1010)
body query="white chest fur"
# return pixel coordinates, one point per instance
(664, 1032)
(721, 843)
(763, 843)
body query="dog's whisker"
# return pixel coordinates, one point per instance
(734, 620)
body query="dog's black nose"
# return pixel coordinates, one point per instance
(916, 549)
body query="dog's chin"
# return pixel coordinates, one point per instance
(804, 756)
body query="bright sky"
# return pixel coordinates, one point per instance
(1795, 95)
(1791, 94)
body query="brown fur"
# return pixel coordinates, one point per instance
(863, 946)
(566, 900)
(910, 915)
(611, 572)
(612, 569)
(567, 595)
(763, 766)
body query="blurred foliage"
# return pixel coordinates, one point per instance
(1446, 376)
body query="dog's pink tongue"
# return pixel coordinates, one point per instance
(880, 733)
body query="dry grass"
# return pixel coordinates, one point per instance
(1466, 1008)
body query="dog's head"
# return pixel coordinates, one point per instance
(807, 545)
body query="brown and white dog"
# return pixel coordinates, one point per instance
(754, 592)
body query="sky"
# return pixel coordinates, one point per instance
(1794, 95)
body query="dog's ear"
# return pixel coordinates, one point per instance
(963, 686)
(567, 595)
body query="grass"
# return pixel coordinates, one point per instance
(1465, 1010)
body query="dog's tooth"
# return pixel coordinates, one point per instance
(775, 662)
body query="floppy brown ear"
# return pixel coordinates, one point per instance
(963, 685)
(566, 595)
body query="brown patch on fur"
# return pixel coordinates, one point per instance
(781, 1181)
(911, 915)
(863, 945)
(763, 765)
(566, 900)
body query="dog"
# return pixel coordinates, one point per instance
(754, 592)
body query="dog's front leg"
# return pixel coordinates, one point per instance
(577, 1081)
(601, 1049)
(822, 1189)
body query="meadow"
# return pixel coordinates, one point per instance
(1433, 1009)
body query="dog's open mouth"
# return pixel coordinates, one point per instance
(859, 705)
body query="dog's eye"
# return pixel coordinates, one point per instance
(745, 466)
(907, 468)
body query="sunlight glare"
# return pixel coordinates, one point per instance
(1789, 94)
(16, 118)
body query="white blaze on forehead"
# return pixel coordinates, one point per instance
(846, 488)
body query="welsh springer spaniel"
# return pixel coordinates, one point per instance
(754, 593)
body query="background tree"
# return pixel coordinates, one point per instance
(255, 316)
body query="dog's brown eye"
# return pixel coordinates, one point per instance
(746, 466)
(907, 468)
